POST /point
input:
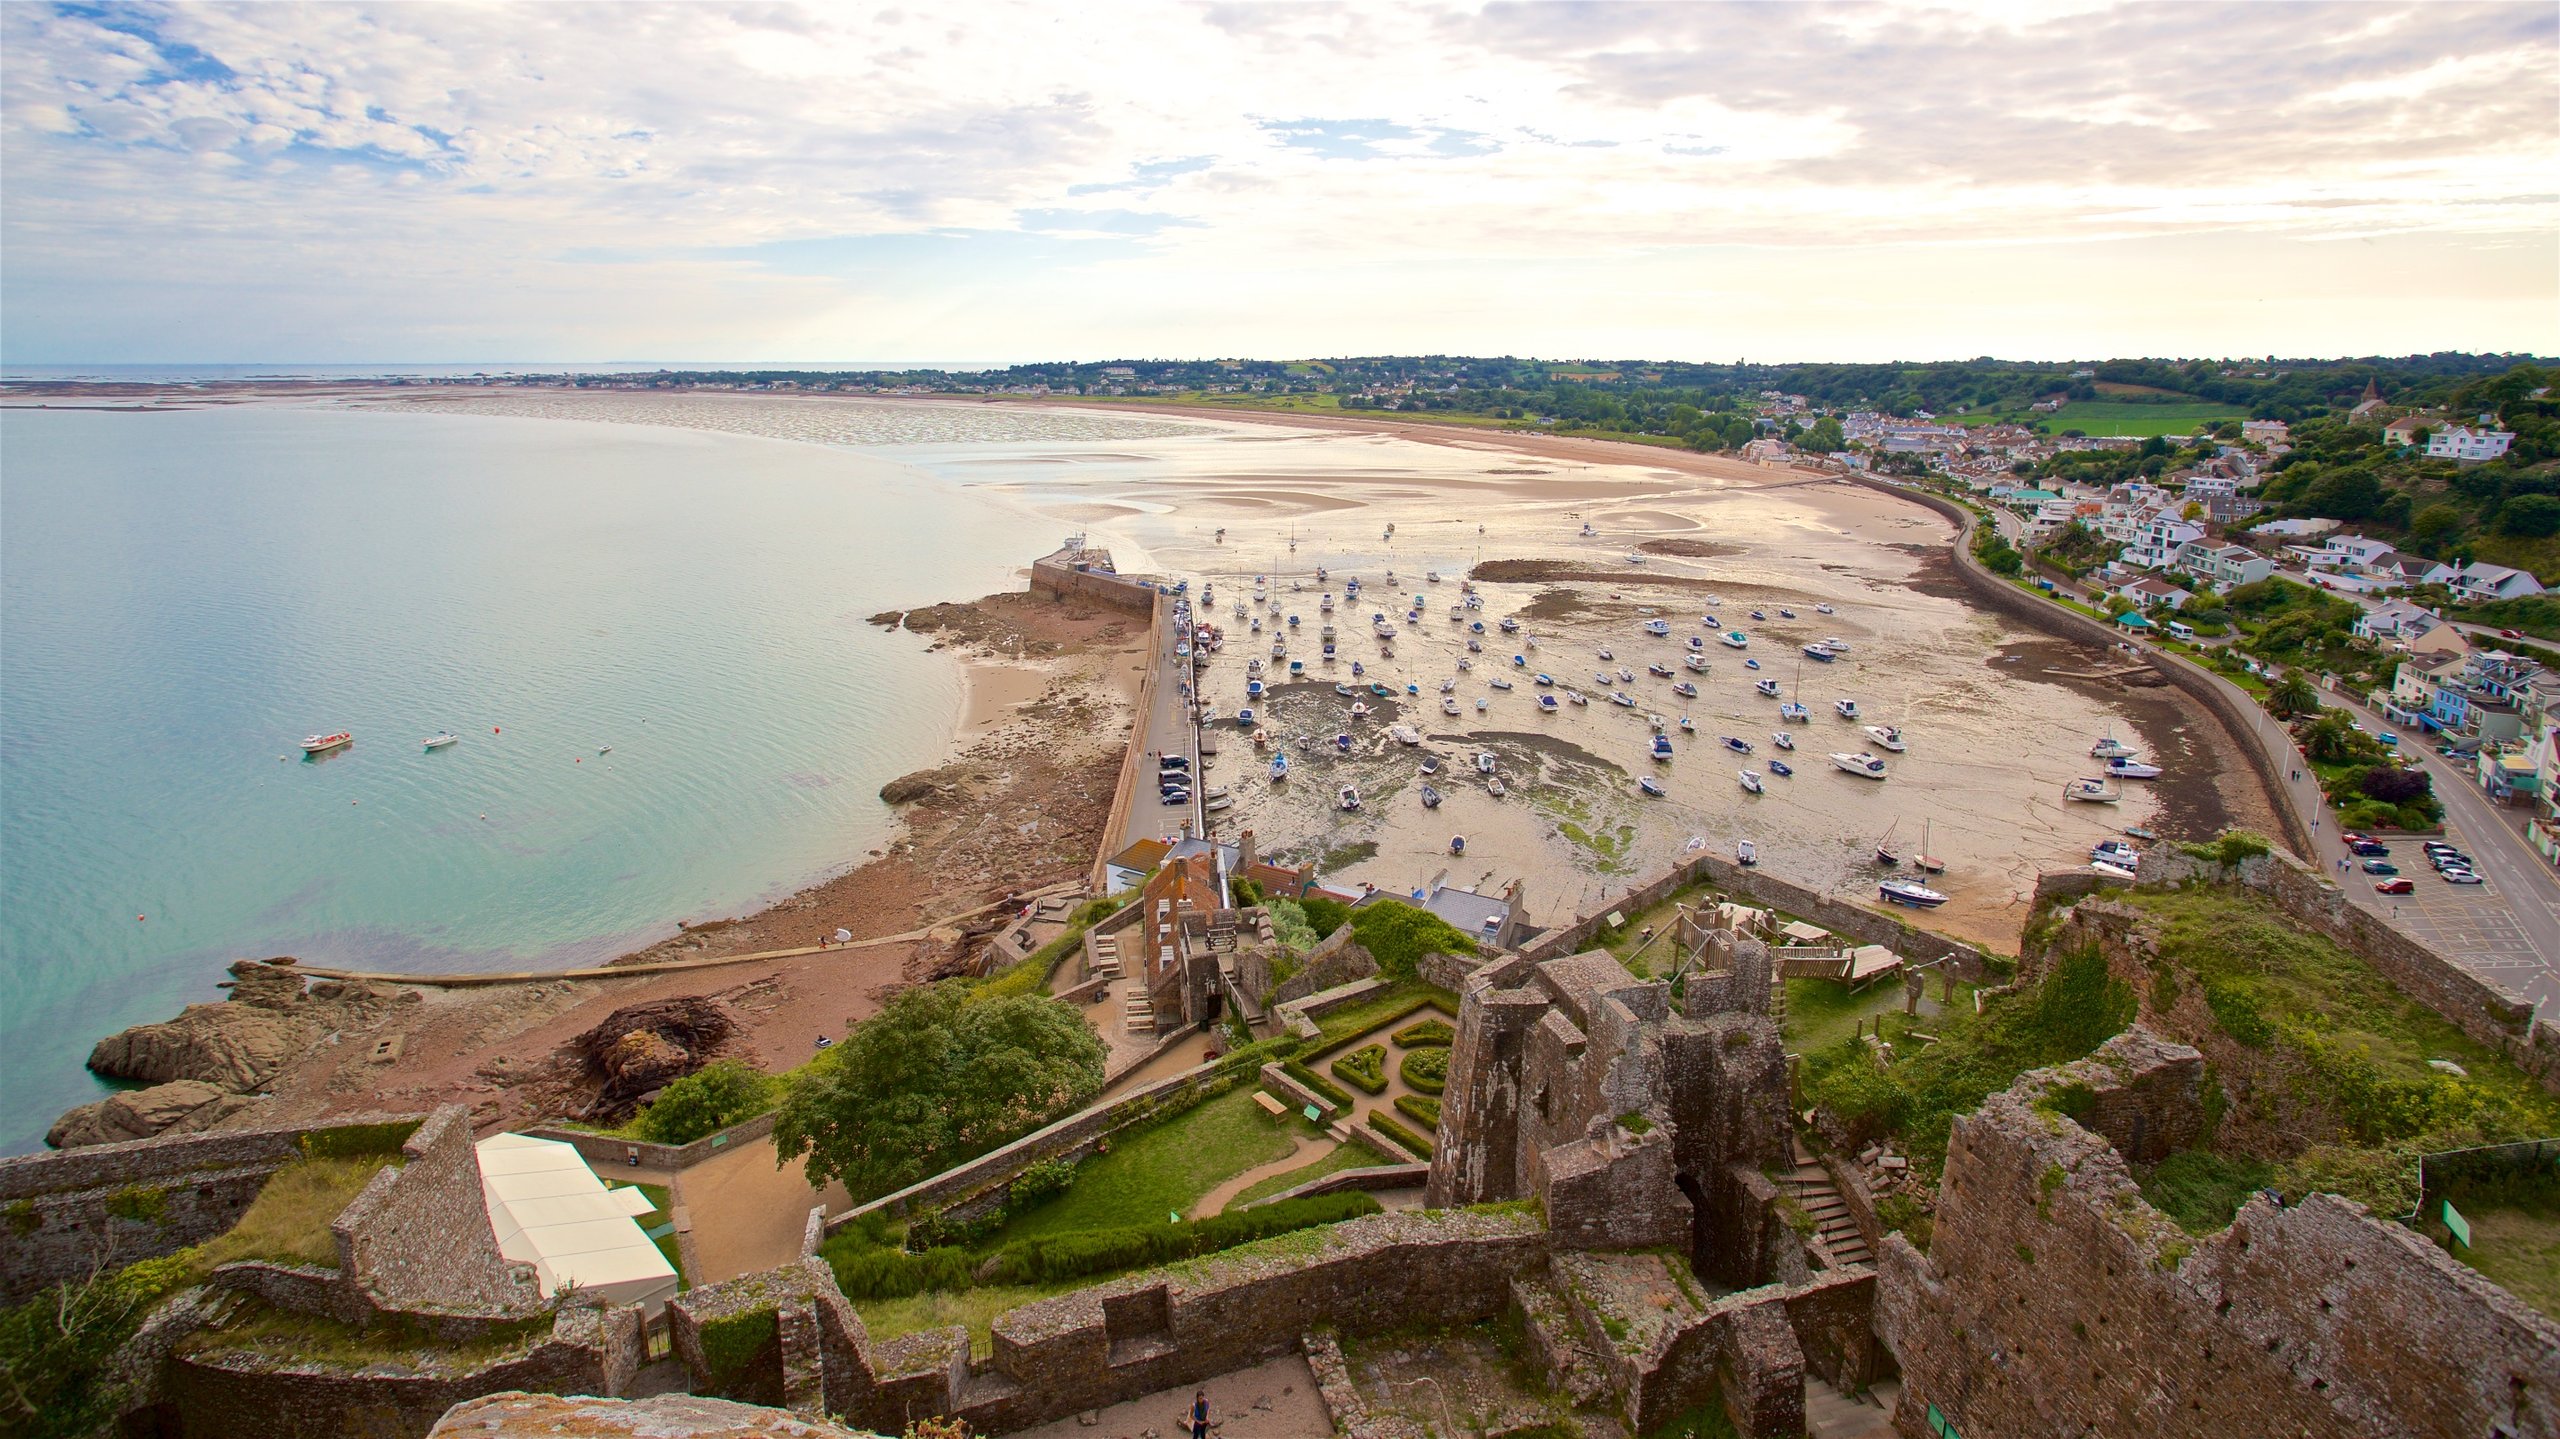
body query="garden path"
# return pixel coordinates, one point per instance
(1303, 1150)
(747, 1211)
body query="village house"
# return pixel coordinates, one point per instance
(2266, 432)
(2395, 620)
(2370, 406)
(2159, 544)
(2468, 446)
(2403, 432)
(2224, 566)
(2478, 583)
(2151, 590)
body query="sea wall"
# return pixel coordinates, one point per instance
(2239, 716)
(66, 1214)
(1125, 794)
(1057, 576)
(2055, 1300)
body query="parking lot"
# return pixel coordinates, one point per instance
(2473, 923)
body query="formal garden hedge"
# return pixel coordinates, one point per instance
(1379, 1121)
(1364, 1068)
(1425, 1032)
(1421, 1107)
(1426, 1069)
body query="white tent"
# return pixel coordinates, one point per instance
(550, 1211)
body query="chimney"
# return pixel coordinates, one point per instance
(1245, 855)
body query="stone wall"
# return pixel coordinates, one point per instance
(1056, 578)
(1757, 886)
(2055, 1300)
(608, 1153)
(1113, 1341)
(60, 1211)
(1125, 790)
(218, 1393)
(418, 1237)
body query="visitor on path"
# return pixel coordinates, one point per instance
(1199, 1414)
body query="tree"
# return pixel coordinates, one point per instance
(934, 1079)
(706, 1101)
(2435, 524)
(1825, 437)
(2343, 495)
(2394, 785)
(2292, 695)
(2529, 516)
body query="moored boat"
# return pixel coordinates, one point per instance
(1910, 893)
(1486, 763)
(442, 738)
(2091, 791)
(1735, 639)
(1781, 768)
(1750, 781)
(2132, 769)
(1662, 747)
(1846, 709)
(323, 743)
(1783, 740)
(1651, 786)
(2109, 747)
(1430, 797)
(1766, 687)
(1887, 737)
(1349, 797)
(1862, 764)
(1737, 744)
(1746, 854)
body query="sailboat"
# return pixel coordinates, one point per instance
(1924, 860)
(1884, 847)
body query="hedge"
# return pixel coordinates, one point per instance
(1379, 1121)
(357, 1141)
(1316, 1083)
(1422, 1108)
(1425, 1032)
(1060, 1257)
(1426, 1069)
(1397, 936)
(865, 1272)
(1364, 1068)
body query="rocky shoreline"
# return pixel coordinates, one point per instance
(1017, 808)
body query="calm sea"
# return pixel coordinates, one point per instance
(184, 595)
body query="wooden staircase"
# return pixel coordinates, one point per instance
(1811, 1186)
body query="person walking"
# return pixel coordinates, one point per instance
(1199, 1414)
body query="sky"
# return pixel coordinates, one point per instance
(460, 183)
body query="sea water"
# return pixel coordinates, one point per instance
(185, 595)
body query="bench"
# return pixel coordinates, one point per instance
(1270, 1106)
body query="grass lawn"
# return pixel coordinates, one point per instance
(289, 1220)
(2120, 417)
(1162, 1170)
(2518, 1248)
(1394, 1002)
(1336, 1159)
(1820, 1012)
(973, 1309)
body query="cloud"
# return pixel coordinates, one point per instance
(268, 170)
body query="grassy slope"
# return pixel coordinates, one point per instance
(1163, 1170)
(1335, 1160)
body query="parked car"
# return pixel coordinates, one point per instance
(2392, 886)
(2380, 866)
(2459, 876)
(1173, 761)
(2451, 861)
(1177, 796)
(2511, 634)
(2351, 838)
(2369, 848)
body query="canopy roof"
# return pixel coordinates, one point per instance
(550, 1211)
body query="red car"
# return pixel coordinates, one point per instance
(2511, 634)
(2392, 886)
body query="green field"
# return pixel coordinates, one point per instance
(2120, 417)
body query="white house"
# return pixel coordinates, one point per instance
(2225, 565)
(2461, 442)
(2158, 545)
(2148, 591)
(2478, 582)
(2294, 529)
(2395, 620)
(2265, 432)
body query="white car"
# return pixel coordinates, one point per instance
(2459, 876)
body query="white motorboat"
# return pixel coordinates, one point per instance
(1350, 797)
(1697, 664)
(1887, 737)
(1430, 797)
(2123, 768)
(1662, 748)
(1606, 655)
(1448, 706)
(1626, 676)
(1576, 697)
(1685, 690)
(2109, 747)
(1911, 893)
(1768, 688)
(1688, 725)
(1547, 704)
(1846, 709)
(2091, 791)
(1783, 740)
(1481, 706)
(1751, 781)
(1824, 610)
(1861, 764)
(1404, 734)
(323, 743)
(1657, 628)
(1651, 786)
(1619, 697)
(1546, 681)
(1835, 644)
(1486, 763)
(442, 738)
(1793, 713)
(1735, 640)
(1498, 682)
(1431, 764)
(1448, 687)
(1212, 806)
(1279, 768)
(1747, 854)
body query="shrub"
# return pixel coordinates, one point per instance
(1038, 1184)
(1316, 1083)
(721, 1093)
(2239, 844)
(56, 1350)
(2202, 1190)
(872, 1273)
(938, 1230)
(2394, 785)
(1364, 1068)
(1324, 916)
(1060, 1257)
(1379, 1121)
(138, 1203)
(1420, 1107)
(1289, 925)
(1426, 1032)
(1426, 1069)
(1397, 936)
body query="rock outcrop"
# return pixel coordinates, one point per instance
(181, 1106)
(232, 1048)
(668, 1416)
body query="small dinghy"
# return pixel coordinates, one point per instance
(1430, 797)
(1750, 782)
(1781, 768)
(1651, 786)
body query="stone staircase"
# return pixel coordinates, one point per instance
(1810, 1185)
(1141, 1016)
(1103, 956)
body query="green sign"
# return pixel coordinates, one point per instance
(1315, 1115)
(2459, 1226)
